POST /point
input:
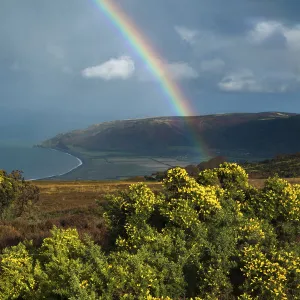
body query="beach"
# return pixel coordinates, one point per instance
(80, 163)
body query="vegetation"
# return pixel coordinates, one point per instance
(282, 165)
(286, 166)
(62, 204)
(213, 237)
(16, 195)
(192, 170)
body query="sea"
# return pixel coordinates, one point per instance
(36, 163)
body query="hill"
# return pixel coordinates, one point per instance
(285, 166)
(129, 148)
(258, 134)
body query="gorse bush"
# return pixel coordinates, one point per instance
(16, 195)
(213, 237)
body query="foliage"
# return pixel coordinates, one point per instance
(272, 275)
(285, 166)
(63, 268)
(208, 177)
(277, 201)
(232, 176)
(213, 237)
(16, 194)
(192, 170)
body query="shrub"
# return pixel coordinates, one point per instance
(277, 201)
(208, 177)
(211, 238)
(9, 236)
(232, 176)
(16, 194)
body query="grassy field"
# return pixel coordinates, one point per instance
(59, 196)
(71, 204)
(64, 204)
(68, 195)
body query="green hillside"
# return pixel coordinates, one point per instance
(252, 134)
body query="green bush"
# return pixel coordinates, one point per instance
(216, 237)
(16, 194)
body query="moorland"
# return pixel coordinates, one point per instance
(208, 230)
(216, 236)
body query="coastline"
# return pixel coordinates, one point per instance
(80, 163)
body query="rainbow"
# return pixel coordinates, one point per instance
(152, 60)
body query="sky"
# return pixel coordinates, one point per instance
(63, 65)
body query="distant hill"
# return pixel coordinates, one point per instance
(264, 134)
(286, 166)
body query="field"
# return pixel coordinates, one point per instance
(71, 204)
(62, 196)
(63, 204)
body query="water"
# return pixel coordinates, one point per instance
(36, 162)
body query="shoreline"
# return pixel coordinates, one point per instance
(80, 163)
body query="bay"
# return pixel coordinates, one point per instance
(36, 163)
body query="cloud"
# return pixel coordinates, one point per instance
(187, 34)
(115, 68)
(269, 48)
(175, 70)
(263, 30)
(266, 30)
(241, 81)
(181, 70)
(245, 81)
(293, 37)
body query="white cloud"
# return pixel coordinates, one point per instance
(115, 68)
(214, 65)
(270, 50)
(240, 81)
(263, 30)
(245, 81)
(175, 70)
(266, 29)
(187, 34)
(181, 70)
(293, 37)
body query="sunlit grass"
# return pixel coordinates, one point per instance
(65, 195)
